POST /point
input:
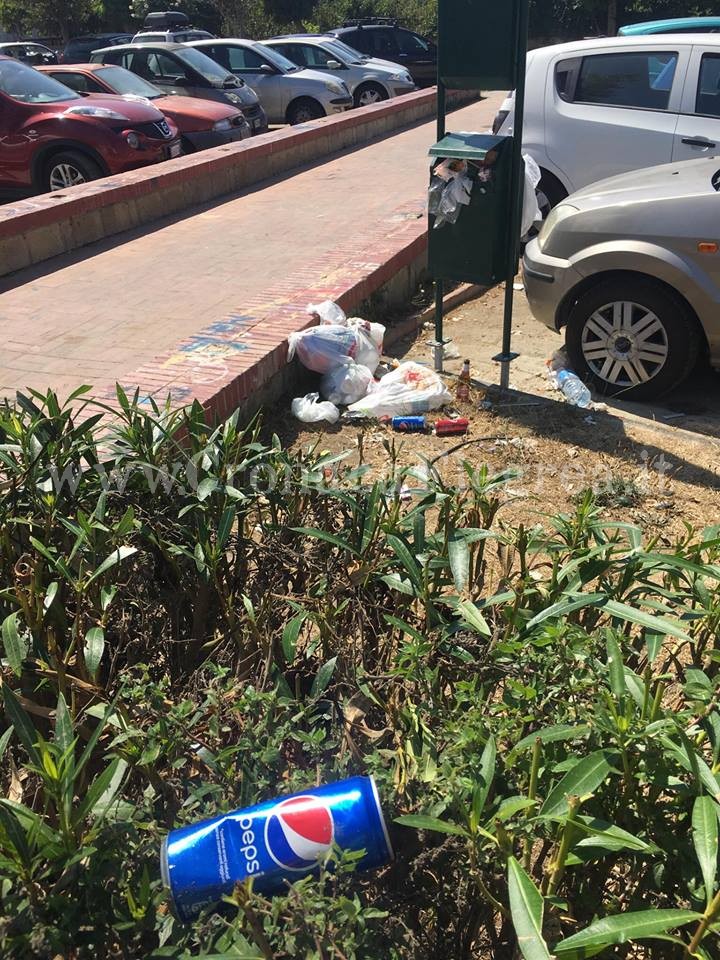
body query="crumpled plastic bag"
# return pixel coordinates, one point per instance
(450, 190)
(327, 346)
(311, 409)
(407, 390)
(328, 312)
(346, 383)
(531, 211)
(370, 342)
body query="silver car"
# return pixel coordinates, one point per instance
(288, 93)
(368, 83)
(630, 268)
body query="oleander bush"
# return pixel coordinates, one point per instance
(195, 619)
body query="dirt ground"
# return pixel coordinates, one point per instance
(646, 468)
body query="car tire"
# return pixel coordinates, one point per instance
(187, 147)
(303, 110)
(68, 169)
(550, 192)
(632, 337)
(369, 93)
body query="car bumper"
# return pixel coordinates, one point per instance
(205, 139)
(124, 159)
(548, 281)
(398, 89)
(257, 119)
(339, 104)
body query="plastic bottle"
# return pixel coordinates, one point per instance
(462, 391)
(573, 388)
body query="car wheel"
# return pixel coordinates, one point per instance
(632, 337)
(550, 192)
(68, 169)
(368, 93)
(303, 110)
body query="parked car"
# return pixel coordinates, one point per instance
(53, 138)
(202, 123)
(288, 93)
(367, 83)
(597, 108)
(678, 25)
(176, 68)
(78, 49)
(630, 268)
(32, 53)
(170, 26)
(383, 37)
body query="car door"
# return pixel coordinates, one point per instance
(258, 73)
(698, 130)
(611, 111)
(164, 70)
(417, 55)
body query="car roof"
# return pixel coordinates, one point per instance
(169, 45)
(69, 67)
(100, 36)
(630, 43)
(667, 26)
(23, 43)
(241, 41)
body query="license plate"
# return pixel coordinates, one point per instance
(175, 150)
(256, 124)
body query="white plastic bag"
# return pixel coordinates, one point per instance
(369, 342)
(407, 390)
(328, 312)
(531, 211)
(346, 383)
(311, 409)
(324, 347)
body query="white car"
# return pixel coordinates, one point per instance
(288, 93)
(597, 108)
(368, 82)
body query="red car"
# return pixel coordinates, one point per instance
(202, 123)
(52, 138)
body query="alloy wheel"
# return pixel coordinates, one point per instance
(65, 175)
(624, 343)
(369, 96)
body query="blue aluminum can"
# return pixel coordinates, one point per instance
(273, 843)
(409, 424)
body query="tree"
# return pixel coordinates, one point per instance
(57, 17)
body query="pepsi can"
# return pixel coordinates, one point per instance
(408, 424)
(273, 843)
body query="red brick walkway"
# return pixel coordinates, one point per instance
(198, 300)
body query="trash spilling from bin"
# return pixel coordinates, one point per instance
(273, 843)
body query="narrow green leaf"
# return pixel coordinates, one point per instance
(4, 741)
(654, 642)
(410, 564)
(472, 616)
(15, 833)
(607, 836)
(622, 928)
(323, 677)
(14, 644)
(526, 909)
(27, 735)
(94, 649)
(422, 822)
(63, 726)
(206, 487)
(50, 595)
(705, 840)
(647, 620)
(103, 790)
(225, 526)
(117, 556)
(291, 632)
(583, 779)
(556, 733)
(316, 534)
(615, 665)
(459, 557)
(564, 607)
(487, 772)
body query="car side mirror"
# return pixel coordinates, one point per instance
(334, 65)
(266, 68)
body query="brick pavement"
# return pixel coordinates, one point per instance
(207, 297)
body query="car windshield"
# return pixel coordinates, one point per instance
(277, 59)
(126, 83)
(22, 83)
(206, 67)
(350, 51)
(342, 53)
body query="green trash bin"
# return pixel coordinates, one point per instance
(474, 249)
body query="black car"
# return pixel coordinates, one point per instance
(34, 54)
(382, 37)
(78, 49)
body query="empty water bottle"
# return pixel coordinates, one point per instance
(574, 389)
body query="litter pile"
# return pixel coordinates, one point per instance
(346, 352)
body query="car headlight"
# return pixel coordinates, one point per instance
(559, 213)
(133, 139)
(234, 98)
(337, 88)
(223, 124)
(401, 78)
(87, 110)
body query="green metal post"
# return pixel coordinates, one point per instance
(438, 344)
(517, 191)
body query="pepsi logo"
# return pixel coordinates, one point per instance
(298, 831)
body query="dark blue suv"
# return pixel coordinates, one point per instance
(382, 37)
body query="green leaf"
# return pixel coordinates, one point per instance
(50, 595)
(423, 822)
(607, 836)
(206, 487)
(16, 835)
(15, 646)
(472, 616)
(512, 805)
(410, 564)
(225, 526)
(647, 620)
(583, 779)
(103, 790)
(291, 632)
(459, 557)
(654, 642)
(615, 665)
(323, 677)
(622, 928)
(564, 607)
(553, 734)
(4, 741)
(316, 534)
(63, 726)
(705, 840)
(94, 649)
(117, 556)
(26, 732)
(526, 909)
(487, 772)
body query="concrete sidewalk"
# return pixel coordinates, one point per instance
(97, 315)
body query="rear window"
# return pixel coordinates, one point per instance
(639, 80)
(707, 101)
